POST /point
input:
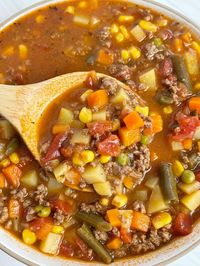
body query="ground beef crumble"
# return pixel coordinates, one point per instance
(95, 208)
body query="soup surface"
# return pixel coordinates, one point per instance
(119, 174)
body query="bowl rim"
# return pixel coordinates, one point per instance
(152, 4)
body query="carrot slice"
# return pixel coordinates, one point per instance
(98, 99)
(194, 104)
(140, 221)
(14, 208)
(2, 181)
(105, 57)
(133, 120)
(114, 243)
(13, 175)
(157, 125)
(113, 217)
(129, 136)
(125, 235)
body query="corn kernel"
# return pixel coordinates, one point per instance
(57, 229)
(135, 52)
(77, 160)
(104, 202)
(128, 182)
(197, 86)
(147, 25)
(178, 168)
(119, 200)
(82, 4)
(196, 46)
(124, 19)
(70, 10)
(23, 51)
(187, 37)
(114, 28)
(167, 110)
(162, 219)
(9, 51)
(29, 237)
(125, 55)
(14, 158)
(105, 159)
(178, 44)
(142, 110)
(162, 22)
(119, 37)
(115, 124)
(125, 32)
(85, 115)
(40, 19)
(87, 156)
(85, 95)
(5, 163)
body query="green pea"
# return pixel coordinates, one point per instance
(188, 176)
(43, 211)
(122, 159)
(144, 140)
(158, 42)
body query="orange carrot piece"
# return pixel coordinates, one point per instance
(105, 57)
(140, 221)
(194, 104)
(98, 99)
(2, 181)
(14, 208)
(125, 235)
(133, 120)
(59, 128)
(129, 136)
(114, 217)
(114, 243)
(187, 144)
(157, 125)
(13, 175)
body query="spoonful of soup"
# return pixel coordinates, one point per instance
(82, 127)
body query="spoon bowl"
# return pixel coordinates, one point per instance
(24, 105)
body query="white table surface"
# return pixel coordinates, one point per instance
(191, 8)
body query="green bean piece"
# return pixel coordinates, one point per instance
(168, 183)
(188, 177)
(181, 71)
(86, 235)
(94, 220)
(194, 160)
(165, 99)
(12, 146)
(144, 140)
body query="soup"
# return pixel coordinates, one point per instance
(119, 172)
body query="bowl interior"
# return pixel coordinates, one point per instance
(163, 255)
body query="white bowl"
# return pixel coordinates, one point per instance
(162, 256)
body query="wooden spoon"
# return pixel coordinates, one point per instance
(24, 105)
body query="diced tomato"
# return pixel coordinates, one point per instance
(125, 236)
(67, 249)
(13, 175)
(166, 67)
(62, 205)
(188, 125)
(109, 146)
(197, 175)
(53, 151)
(182, 224)
(67, 151)
(41, 226)
(83, 248)
(99, 128)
